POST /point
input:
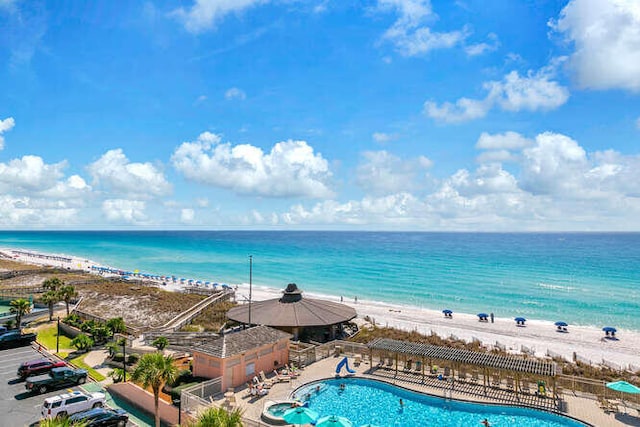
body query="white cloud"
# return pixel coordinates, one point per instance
(5, 125)
(502, 141)
(235, 93)
(124, 211)
(116, 174)
(203, 15)
(383, 173)
(463, 110)
(187, 216)
(481, 48)
(606, 38)
(533, 92)
(383, 138)
(290, 169)
(410, 34)
(555, 185)
(29, 174)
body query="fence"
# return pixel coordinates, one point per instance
(304, 354)
(592, 389)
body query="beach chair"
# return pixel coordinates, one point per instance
(433, 372)
(293, 373)
(495, 381)
(407, 365)
(358, 360)
(281, 378)
(462, 374)
(417, 368)
(389, 363)
(267, 383)
(525, 386)
(475, 376)
(447, 372)
(510, 383)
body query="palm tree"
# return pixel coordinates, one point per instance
(160, 343)
(155, 370)
(50, 298)
(218, 417)
(20, 307)
(67, 293)
(52, 284)
(117, 325)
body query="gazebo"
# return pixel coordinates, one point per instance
(294, 314)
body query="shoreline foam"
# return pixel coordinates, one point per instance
(538, 336)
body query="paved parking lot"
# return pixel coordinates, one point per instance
(17, 407)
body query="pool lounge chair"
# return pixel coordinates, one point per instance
(495, 381)
(266, 381)
(475, 376)
(407, 365)
(281, 378)
(462, 375)
(510, 383)
(358, 360)
(417, 369)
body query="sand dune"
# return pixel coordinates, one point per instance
(541, 337)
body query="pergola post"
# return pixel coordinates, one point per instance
(396, 363)
(484, 379)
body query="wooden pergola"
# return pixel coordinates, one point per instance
(457, 358)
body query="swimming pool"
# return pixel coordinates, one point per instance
(366, 401)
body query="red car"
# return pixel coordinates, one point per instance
(37, 367)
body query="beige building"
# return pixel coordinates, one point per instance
(239, 356)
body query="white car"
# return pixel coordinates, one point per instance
(70, 403)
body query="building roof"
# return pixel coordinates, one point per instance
(467, 357)
(292, 310)
(234, 343)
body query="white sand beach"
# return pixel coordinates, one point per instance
(538, 336)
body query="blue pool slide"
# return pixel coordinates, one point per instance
(344, 362)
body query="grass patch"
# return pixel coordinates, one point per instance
(78, 362)
(47, 337)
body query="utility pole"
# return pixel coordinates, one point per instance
(58, 337)
(124, 359)
(250, 284)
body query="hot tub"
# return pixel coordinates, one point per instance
(273, 411)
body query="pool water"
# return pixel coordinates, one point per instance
(278, 409)
(366, 401)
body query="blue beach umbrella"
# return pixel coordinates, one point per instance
(520, 319)
(561, 324)
(610, 331)
(300, 415)
(447, 311)
(483, 315)
(333, 421)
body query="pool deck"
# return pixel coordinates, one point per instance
(582, 408)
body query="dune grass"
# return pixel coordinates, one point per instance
(79, 362)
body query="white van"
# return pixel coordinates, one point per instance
(70, 403)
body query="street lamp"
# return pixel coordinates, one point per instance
(250, 284)
(58, 337)
(124, 360)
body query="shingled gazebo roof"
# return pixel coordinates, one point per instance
(292, 310)
(239, 342)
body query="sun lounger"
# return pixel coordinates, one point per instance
(475, 376)
(389, 363)
(462, 375)
(358, 360)
(510, 383)
(607, 405)
(281, 378)
(266, 381)
(495, 381)
(418, 367)
(407, 366)
(525, 386)
(447, 372)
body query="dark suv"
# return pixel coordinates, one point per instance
(37, 367)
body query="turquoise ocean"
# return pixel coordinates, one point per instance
(583, 278)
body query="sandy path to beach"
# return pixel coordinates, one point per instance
(538, 336)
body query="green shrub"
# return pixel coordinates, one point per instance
(132, 359)
(82, 342)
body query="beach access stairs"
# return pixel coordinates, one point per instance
(187, 316)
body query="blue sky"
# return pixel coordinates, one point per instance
(316, 114)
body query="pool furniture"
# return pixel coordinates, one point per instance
(266, 381)
(483, 317)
